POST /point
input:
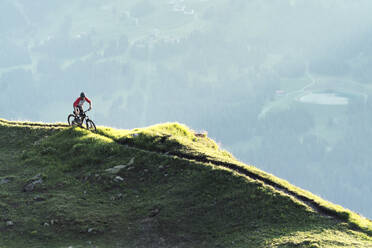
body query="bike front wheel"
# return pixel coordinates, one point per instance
(91, 126)
(71, 119)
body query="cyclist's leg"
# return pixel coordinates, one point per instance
(77, 111)
(81, 114)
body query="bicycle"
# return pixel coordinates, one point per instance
(74, 120)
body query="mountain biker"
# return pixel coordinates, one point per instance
(78, 105)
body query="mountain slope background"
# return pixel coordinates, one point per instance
(275, 81)
(67, 187)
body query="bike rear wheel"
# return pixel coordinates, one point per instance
(91, 126)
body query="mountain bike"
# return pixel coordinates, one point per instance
(74, 120)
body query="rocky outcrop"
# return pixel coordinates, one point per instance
(31, 184)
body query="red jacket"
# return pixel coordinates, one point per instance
(80, 102)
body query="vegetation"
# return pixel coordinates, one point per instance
(62, 186)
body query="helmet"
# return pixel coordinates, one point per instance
(82, 94)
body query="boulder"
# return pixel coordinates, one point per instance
(118, 179)
(4, 181)
(9, 223)
(30, 186)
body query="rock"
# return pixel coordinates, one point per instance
(9, 223)
(117, 197)
(4, 181)
(118, 179)
(39, 198)
(201, 134)
(154, 212)
(32, 183)
(31, 186)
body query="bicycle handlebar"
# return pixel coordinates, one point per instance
(83, 111)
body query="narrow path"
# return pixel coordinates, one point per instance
(243, 171)
(311, 203)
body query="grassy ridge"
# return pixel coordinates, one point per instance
(178, 139)
(155, 199)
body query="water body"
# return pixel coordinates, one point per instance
(324, 99)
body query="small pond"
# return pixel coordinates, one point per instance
(325, 98)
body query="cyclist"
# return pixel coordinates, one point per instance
(78, 106)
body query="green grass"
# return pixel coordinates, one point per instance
(160, 200)
(178, 139)
(173, 138)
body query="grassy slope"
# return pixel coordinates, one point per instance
(163, 201)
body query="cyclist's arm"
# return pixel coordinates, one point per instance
(90, 102)
(75, 106)
(76, 102)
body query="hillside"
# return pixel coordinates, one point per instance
(161, 186)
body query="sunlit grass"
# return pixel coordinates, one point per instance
(169, 137)
(317, 239)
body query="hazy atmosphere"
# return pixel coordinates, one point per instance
(283, 85)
